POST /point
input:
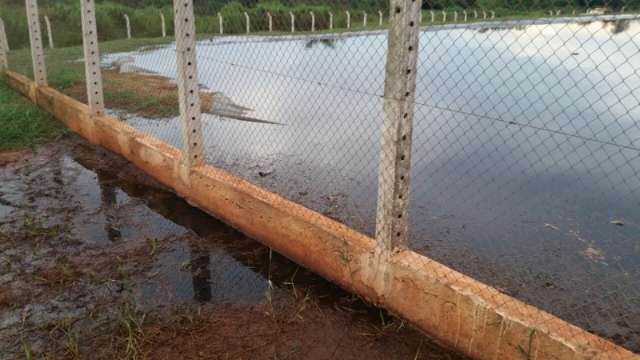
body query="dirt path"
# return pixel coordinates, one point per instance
(99, 261)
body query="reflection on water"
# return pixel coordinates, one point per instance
(109, 203)
(526, 147)
(329, 43)
(615, 26)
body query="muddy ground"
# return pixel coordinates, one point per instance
(99, 261)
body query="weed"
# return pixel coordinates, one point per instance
(131, 323)
(153, 245)
(292, 283)
(35, 230)
(26, 348)
(269, 291)
(22, 124)
(71, 345)
(528, 353)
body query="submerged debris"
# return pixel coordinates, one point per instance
(593, 254)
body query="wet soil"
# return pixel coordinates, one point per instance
(129, 91)
(99, 261)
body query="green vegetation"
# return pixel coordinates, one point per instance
(22, 124)
(145, 14)
(145, 17)
(122, 91)
(64, 65)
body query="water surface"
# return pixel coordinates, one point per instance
(525, 149)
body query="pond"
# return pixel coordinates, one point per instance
(526, 148)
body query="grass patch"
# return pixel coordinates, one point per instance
(22, 124)
(129, 92)
(65, 66)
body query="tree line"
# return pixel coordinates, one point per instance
(144, 14)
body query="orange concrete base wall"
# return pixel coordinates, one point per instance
(458, 311)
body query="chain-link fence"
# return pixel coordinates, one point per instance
(517, 123)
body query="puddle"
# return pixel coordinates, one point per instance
(89, 245)
(95, 203)
(525, 149)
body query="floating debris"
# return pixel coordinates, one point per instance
(593, 254)
(617, 222)
(265, 173)
(553, 227)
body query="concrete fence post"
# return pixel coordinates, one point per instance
(247, 22)
(220, 24)
(4, 49)
(49, 33)
(421, 16)
(493, 14)
(93, 74)
(164, 25)
(128, 24)
(380, 18)
(330, 21)
(444, 16)
(293, 22)
(475, 13)
(455, 16)
(270, 19)
(3, 36)
(313, 21)
(188, 88)
(464, 12)
(364, 19)
(484, 15)
(35, 39)
(348, 19)
(433, 16)
(397, 123)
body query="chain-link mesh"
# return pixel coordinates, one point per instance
(525, 171)
(17, 32)
(525, 147)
